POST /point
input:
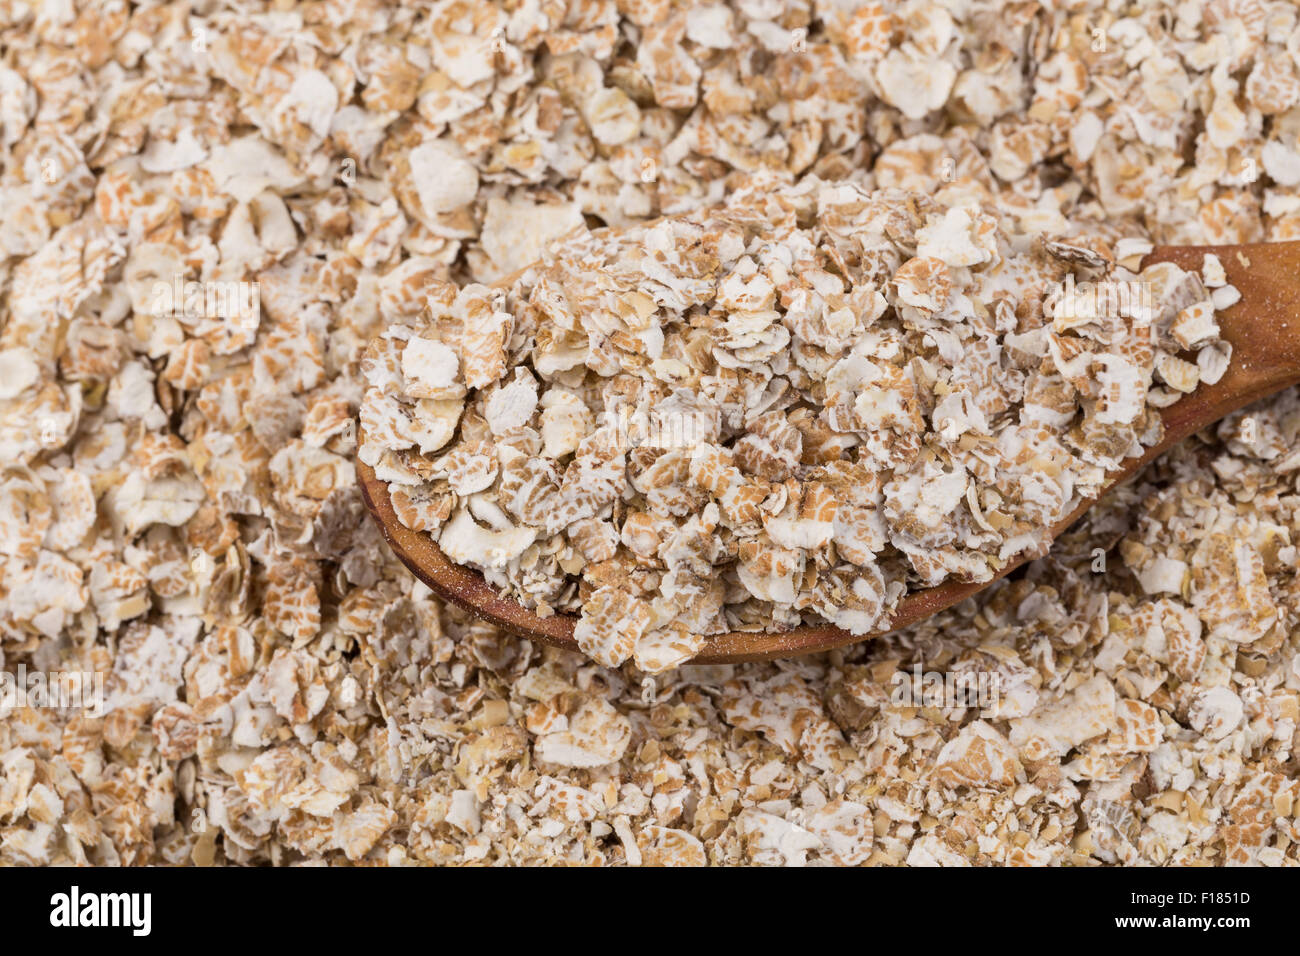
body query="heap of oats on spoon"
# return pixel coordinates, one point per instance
(792, 409)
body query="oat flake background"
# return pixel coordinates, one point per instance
(178, 509)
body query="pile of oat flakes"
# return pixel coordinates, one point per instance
(178, 508)
(790, 408)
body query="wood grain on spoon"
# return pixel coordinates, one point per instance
(1263, 329)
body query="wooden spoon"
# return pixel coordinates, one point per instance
(1263, 328)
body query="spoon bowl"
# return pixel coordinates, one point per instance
(1263, 328)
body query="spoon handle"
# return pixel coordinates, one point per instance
(1263, 328)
